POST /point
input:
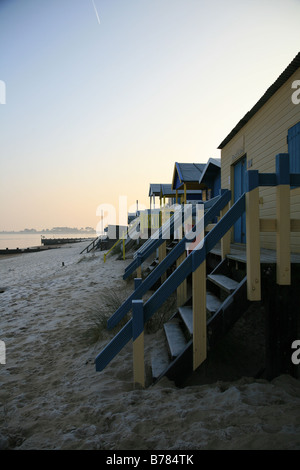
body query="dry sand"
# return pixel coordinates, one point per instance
(51, 397)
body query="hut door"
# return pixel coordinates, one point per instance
(240, 169)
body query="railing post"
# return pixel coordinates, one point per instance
(253, 236)
(138, 338)
(199, 315)
(162, 252)
(283, 244)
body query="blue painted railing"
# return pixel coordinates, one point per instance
(195, 259)
(168, 261)
(149, 247)
(282, 176)
(189, 265)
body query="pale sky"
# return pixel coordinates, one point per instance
(101, 103)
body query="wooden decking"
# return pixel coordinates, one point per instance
(238, 253)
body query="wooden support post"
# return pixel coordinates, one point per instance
(176, 196)
(283, 225)
(184, 186)
(162, 252)
(182, 289)
(138, 343)
(253, 236)
(199, 315)
(137, 282)
(225, 241)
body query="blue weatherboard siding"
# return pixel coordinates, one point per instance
(240, 171)
(216, 185)
(192, 261)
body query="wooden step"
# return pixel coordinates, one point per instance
(226, 283)
(175, 337)
(159, 362)
(153, 265)
(213, 303)
(186, 314)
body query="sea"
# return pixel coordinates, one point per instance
(29, 240)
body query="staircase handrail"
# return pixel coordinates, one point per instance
(195, 259)
(158, 233)
(156, 240)
(122, 239)
(149, 247)
(189, 265)
(111, 248)
(168, 261)
(92, 243)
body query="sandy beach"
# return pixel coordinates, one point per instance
(51, 397)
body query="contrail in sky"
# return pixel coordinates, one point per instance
(96, 12)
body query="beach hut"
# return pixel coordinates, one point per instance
(186, 177)
(154, 191)
(211, 179)
(272, 126)
(249, 257)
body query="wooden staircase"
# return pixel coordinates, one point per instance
(222, 291)
(155, 261)
(94, 245)
(226, 301)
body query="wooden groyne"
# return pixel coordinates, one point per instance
(18, 251)
(62, 241)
